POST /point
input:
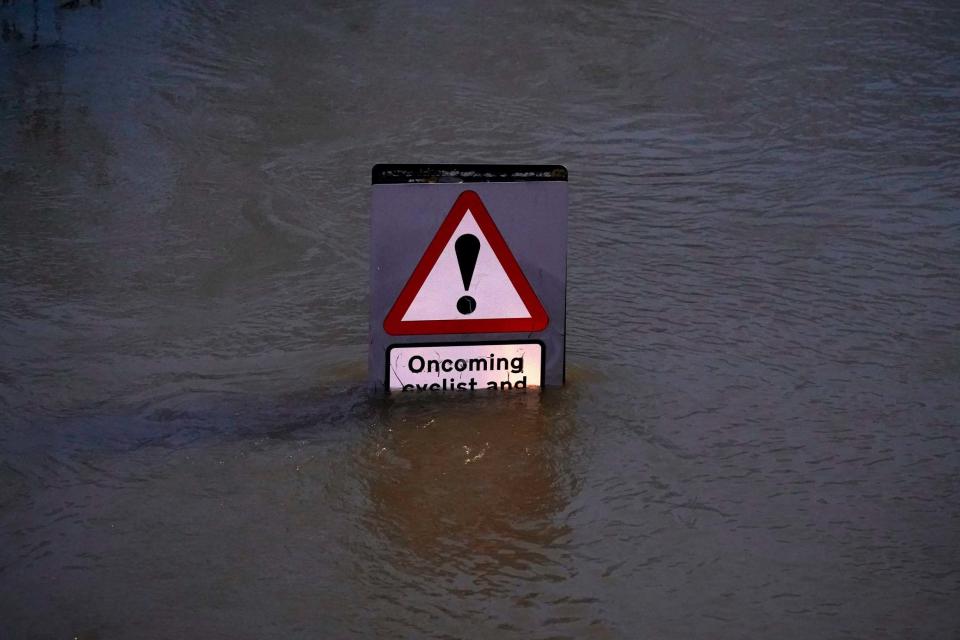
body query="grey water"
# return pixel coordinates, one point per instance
(759, 434)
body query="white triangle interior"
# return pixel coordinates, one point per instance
(495, 295)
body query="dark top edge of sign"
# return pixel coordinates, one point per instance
(429, 173)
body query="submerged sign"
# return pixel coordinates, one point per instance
(468, 277)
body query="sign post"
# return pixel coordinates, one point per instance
(468, 277)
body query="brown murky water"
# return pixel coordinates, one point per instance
(759, 436)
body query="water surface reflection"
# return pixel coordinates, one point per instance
(473, 486)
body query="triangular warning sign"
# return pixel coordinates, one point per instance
(466, 282)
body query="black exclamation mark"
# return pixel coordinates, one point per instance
(467, 247)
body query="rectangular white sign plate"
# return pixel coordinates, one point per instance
(468, 366)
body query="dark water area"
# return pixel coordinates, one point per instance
(759, 435)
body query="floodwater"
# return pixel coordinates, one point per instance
(759, 437)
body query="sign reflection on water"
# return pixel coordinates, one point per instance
(480, 483)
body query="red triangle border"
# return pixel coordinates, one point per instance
(467, 201)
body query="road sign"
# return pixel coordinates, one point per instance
(468, 277)
(466, 282)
